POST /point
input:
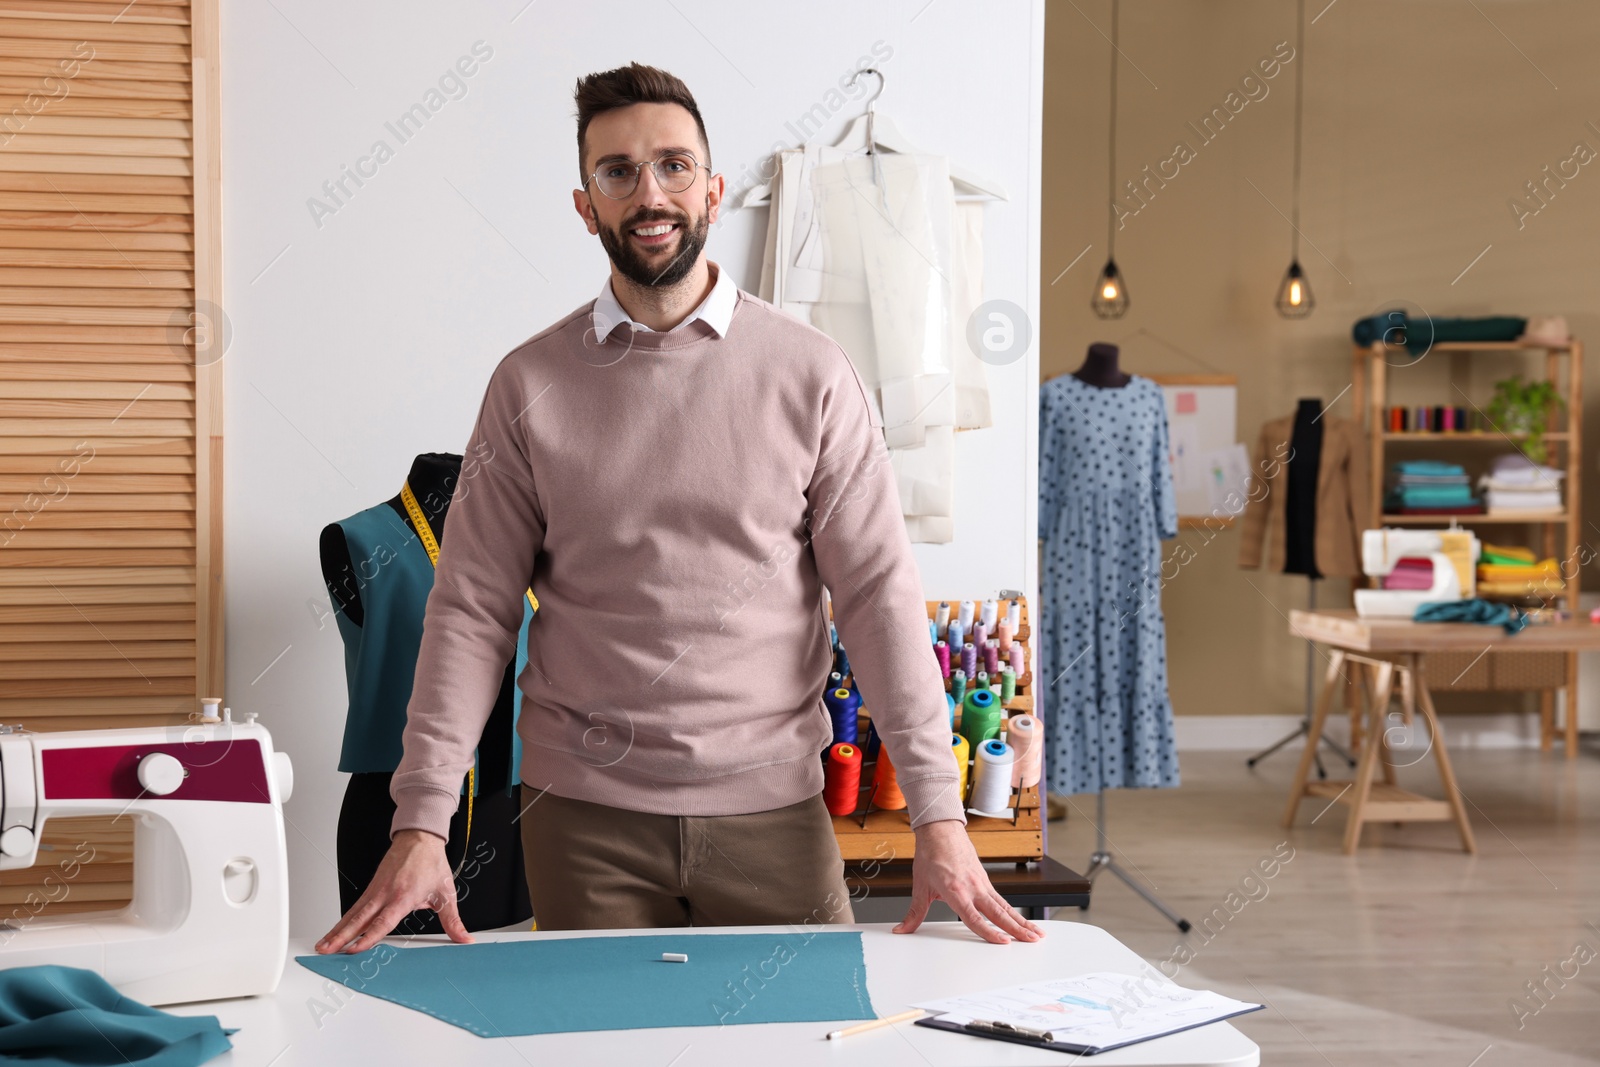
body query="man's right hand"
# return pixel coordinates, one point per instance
(414, 874)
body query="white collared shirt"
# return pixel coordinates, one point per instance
(716, 308)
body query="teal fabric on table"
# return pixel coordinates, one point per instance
(560, 985)
(54, 1016)
(1487, 612)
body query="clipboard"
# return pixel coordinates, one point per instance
(936, 1023)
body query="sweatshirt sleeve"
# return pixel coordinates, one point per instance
(863, 555)
(493, 531)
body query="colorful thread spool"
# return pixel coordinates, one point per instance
(955, 635)
(963, 754)
(980, 635)
(841, 779)
(980, 717)
(991, 613)
(991, 657)
(941, 618)
(1016, 657)
(844, 661)
(1008, 685)
(1014, 617)
(982, 681)
(991, 779)
(886, 786)
(951, 701)
(958, 685)
(844, 706)
(933, 633)
(835, 680)
(1003, 634)
(966, 616)
(1022, 734)
(941, 650)
(969, 658)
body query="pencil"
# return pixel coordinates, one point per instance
(873, 1024)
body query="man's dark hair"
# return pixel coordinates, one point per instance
(633, 84)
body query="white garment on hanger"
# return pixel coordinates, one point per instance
(893, 273)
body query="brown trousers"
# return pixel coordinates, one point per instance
(594, 867)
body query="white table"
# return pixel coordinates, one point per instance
(940, 959)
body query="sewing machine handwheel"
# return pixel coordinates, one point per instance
(160, 773)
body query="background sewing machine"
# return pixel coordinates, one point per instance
(1450, 555)
(209, 916)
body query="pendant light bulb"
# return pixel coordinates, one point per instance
(1110, 293)
(1294, 295)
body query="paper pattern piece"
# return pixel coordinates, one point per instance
(560, 985)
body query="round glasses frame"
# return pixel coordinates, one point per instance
(667, 182)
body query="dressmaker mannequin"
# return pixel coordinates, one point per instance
(395, 573)
(1100, 368)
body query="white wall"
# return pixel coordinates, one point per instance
(366, 336)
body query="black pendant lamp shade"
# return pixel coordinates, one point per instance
(1110, 293)
(1294, 295)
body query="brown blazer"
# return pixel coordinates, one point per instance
(1344, 507)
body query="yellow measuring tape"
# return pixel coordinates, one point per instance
(431, 543)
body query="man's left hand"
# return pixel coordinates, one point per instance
(946, 867)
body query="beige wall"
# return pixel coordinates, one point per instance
(1422, 120)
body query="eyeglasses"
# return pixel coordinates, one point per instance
(674, 172)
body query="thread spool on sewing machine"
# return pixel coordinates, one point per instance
(209, 916)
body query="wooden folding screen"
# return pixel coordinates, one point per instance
(111, 346)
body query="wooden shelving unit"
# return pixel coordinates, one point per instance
(1558, 533)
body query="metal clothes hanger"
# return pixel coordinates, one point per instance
(871, 131)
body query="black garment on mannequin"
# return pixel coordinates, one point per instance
(492, 890)
(1300, 499)
(1100, 368)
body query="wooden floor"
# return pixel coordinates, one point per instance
(1410, 951)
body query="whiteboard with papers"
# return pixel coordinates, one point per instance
(1209, 465)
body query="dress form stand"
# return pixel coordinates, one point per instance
(1100, 369)
(1101, 859)
(1300, 516)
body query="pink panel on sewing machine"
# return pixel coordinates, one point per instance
(229, 769)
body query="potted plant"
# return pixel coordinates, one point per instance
(1524, 407)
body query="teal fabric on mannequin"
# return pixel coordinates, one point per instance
(380, 655)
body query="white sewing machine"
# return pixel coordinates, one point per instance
(1451, 553)
(209, 916)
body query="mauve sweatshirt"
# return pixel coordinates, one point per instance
(677, 502)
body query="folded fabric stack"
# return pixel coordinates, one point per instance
(1514, 573)
(1517, 484)
(1429, 487)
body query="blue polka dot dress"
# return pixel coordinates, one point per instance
(1105, 504)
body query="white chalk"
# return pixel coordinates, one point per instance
(675, 957)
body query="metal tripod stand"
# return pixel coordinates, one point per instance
(1103, 860)
(1304, 729)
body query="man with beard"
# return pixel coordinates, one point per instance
(676, 468)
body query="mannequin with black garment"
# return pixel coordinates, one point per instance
(1304, 463)
(379, 606)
